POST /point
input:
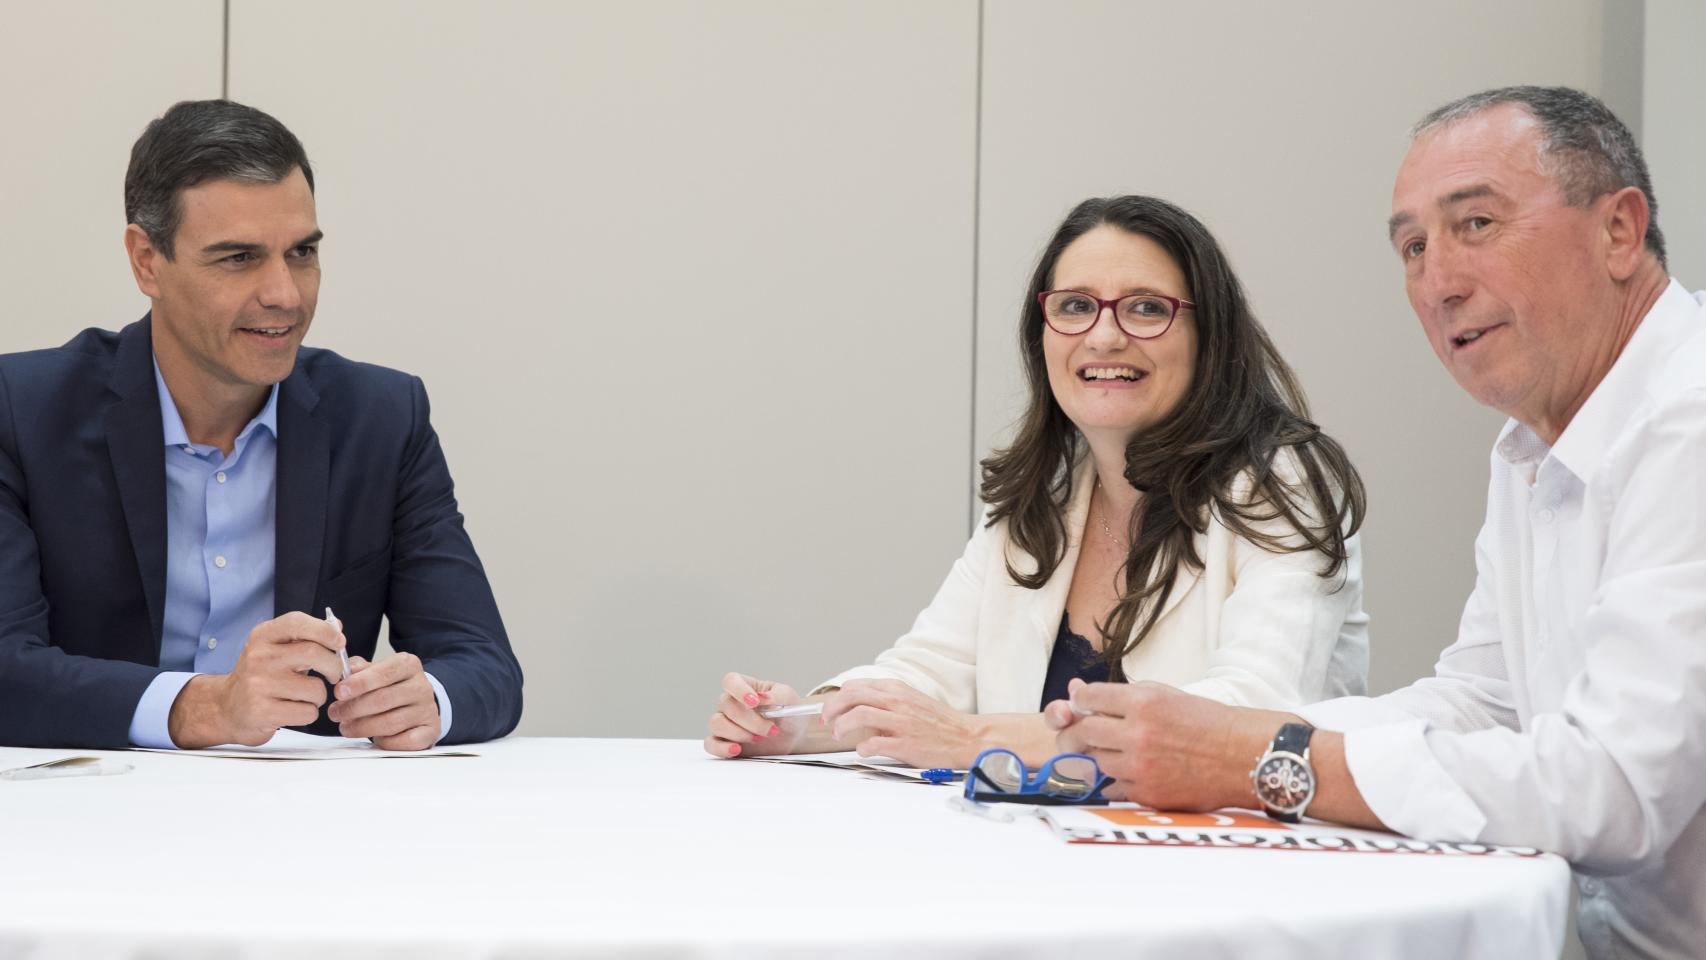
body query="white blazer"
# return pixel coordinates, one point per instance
(1252, 628)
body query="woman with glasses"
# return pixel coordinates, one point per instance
(1167, 512)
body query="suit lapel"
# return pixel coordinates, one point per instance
(1035, 624)
(1184, 582)
(136, 441)
(304, 473)
(1049, 602)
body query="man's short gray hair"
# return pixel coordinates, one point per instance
(1583, 146)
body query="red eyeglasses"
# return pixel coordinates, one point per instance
(1141, 315)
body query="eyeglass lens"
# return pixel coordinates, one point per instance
(1072, 312)
(1071, 778)
(1002, 771)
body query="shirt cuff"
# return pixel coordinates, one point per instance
(443, 707)
(1352, 713)
(1402, 781)
(840, 680)
(150, 725)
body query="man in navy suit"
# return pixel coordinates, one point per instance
(180, 500)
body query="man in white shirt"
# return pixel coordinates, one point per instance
(1570, 714)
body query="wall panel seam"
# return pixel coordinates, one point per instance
(225, 50)
(976, 252)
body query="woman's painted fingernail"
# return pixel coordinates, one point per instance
(734, 749)
(751, 699)
(774, 730)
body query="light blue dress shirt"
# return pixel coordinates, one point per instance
(220, 523)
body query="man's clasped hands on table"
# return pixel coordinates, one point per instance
(1167, 579)
(276, 683)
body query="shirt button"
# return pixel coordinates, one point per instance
(190, 451)
(213, 643)
(219, 562)
(1546, 515)
(220, 476)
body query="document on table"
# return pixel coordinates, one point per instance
(1130, 825)
(850, 760)
(292, 745)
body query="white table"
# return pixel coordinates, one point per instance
(648, 848)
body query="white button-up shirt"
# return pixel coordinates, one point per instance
(1570, 714)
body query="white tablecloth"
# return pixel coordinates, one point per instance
(648, 848)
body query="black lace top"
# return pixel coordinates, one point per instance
(1073, 657)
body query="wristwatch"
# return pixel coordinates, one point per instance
(1284, 780)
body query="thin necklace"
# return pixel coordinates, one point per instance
(1103, 517)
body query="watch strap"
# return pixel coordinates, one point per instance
(1293, 738)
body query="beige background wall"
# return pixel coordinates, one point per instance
(715, 301)
(1673, 129)
(81, 80)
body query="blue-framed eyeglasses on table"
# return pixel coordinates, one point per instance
(999, 776)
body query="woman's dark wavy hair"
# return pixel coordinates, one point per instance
(1243, 407)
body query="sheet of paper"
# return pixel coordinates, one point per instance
(293, 745)
(1130, 825)
(849, 760)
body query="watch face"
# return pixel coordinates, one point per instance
(1284, 782)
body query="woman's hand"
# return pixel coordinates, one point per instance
(888, 718)
(736, 728)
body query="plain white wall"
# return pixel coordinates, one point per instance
(689, 284)
(81, 80)
(1282, 133)
(1673, 130)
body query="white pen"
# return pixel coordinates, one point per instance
(343, 655)
(792, 710)
(67, 767)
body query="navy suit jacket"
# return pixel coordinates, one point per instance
(366, 523)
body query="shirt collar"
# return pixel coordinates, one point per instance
(1517, 445)
(1608, 408)
(173, 422)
